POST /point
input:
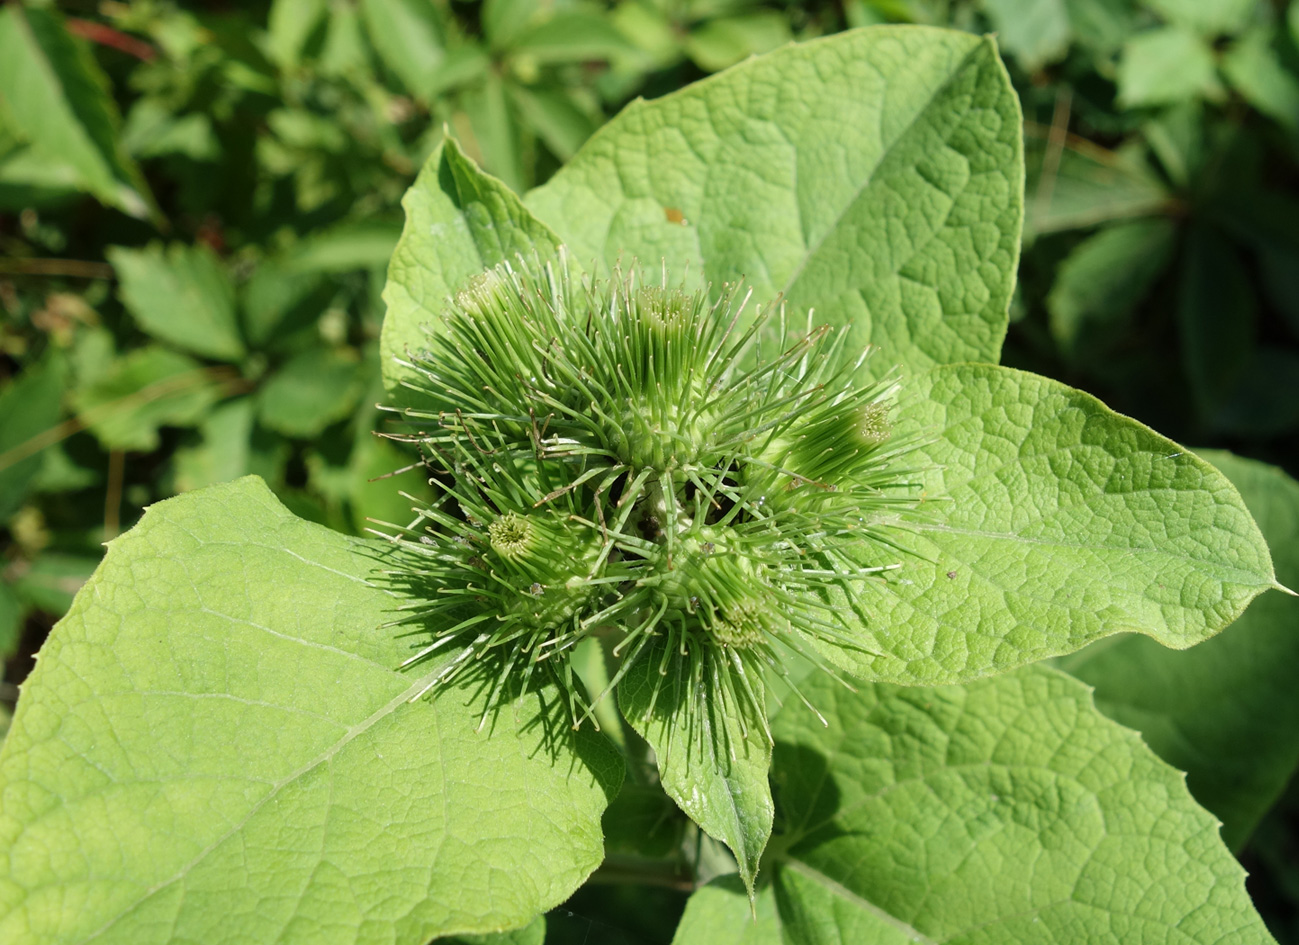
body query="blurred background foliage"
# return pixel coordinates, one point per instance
(198, 202)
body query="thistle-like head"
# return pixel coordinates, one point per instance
(647, 462)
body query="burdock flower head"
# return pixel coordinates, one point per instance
(652, 464)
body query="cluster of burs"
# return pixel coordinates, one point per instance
(635, 459)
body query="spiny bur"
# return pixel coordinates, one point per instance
(648, 463)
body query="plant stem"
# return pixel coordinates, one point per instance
(668, 874)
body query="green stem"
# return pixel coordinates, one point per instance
(620, 870)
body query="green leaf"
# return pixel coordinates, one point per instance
(1072, 188)
(345, 51)
(651, 30)
(1165, 66)
(463, 65)
(718, 44)
(374, 492)
(495, 130)
(280, 299)
(642, 821)
(573, 35)
(556, 118)
(503, 19)
(29, 407)
(720, 914)
(222, 452)
(291, 27)
(1054, 522)
(149, 388)
(215, 746)
(1254, 69)
(409, 37)
(1035, 32)
(60, 473)
(1102, 25)
(347, 247)
(874, 176)
(184, 296)
(152, 130)
(1104, 279)
(59, 100)
(314, 389)
(712, 750)
(1179, 139)
(459, 222)
(1227, 711)
(1008, 810)
(304, 130)
(1209, 17)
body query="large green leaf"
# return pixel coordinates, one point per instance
(1055, 521)
(215, 746)
(1005, 811)
(59, 100)
(1226, 712)
(874, 176)
(184, 296)
(459, 222)
(713, 752)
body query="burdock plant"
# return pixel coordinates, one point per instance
(219, 743)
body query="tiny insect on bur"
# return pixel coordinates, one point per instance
(645, 462)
